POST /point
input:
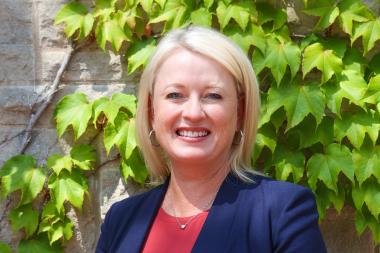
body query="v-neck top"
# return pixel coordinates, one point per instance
(166, 236)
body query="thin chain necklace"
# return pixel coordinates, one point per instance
(183, 226)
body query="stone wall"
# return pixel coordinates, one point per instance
(31, 51)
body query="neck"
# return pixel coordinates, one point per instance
(192, 189)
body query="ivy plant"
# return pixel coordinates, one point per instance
(320, 95)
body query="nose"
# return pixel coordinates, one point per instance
(193, 110)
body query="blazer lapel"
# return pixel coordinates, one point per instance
(134, 241)
(215, 233)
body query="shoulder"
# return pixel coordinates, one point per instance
(275, 196)
(272, 189)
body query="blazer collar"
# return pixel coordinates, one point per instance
(215, 232)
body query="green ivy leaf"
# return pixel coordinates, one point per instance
(355, 126)
(326, 10)
(122, 134)
(353, 86)
(58, 163)
(83, 156)
(288, 162)
(258, 61)
(354, 60)
(298, 101)
(24, 217)
(20, 173)
(105, 4)
(363, 221)
(367, 163)
(139, 54)
(201, 17)
(173, 14)
(265, 137)
(369, 194)
(37, 245)
(240, 12)
(76, 18)
(134, 167)
(327, 167)
(316, 56)
(279, 55)
(370, 33)
(110, 31)
(50, 212)
(74, 110)
(310, 133)
(350, 11)
(252, 36)
(68, 187)
(325, 197)
(267, 13)
(111, 107)
(146, 5)
(5, 248)
(334, 96)
(61, 229)
(208, 3)
(372, 94)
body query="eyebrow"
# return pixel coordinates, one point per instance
(180, 85)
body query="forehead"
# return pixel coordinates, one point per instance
(186, 67)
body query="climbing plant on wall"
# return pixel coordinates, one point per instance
(320, 96)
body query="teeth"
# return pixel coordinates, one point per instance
(192, 134)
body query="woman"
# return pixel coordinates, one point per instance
(196, 124)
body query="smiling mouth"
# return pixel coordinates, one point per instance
(192, 134)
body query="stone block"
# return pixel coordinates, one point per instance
(87, 65)
(112, 188)
(340, 234)
(50, 35)
(17, 64)
(43, 145)
(15, 22)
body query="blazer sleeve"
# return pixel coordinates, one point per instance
(295, 225)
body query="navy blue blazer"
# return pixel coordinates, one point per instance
(264, 216)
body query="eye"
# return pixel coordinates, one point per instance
(213, 96)
(174, 95)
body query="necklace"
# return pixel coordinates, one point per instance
(183, 226)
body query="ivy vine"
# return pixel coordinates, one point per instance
(320, 105)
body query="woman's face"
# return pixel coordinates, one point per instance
(194, 109)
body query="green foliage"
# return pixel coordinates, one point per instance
(20, 173)
(5, 248)
(62, 181)
(73, 110)
(320, 105)
(24, 217)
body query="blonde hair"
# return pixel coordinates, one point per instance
(218, 47)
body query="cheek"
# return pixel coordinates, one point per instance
(163, 116)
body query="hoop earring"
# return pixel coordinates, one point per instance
(238, 137)
(153, 138)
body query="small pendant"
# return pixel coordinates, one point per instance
(182, 226)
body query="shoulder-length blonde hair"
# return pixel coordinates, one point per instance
(216, 46)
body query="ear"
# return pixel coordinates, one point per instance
(240, 112)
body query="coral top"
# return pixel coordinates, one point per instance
(166, 236)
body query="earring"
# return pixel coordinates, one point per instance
(238, 137)
(153, 138)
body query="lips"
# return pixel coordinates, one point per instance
(192, 133)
